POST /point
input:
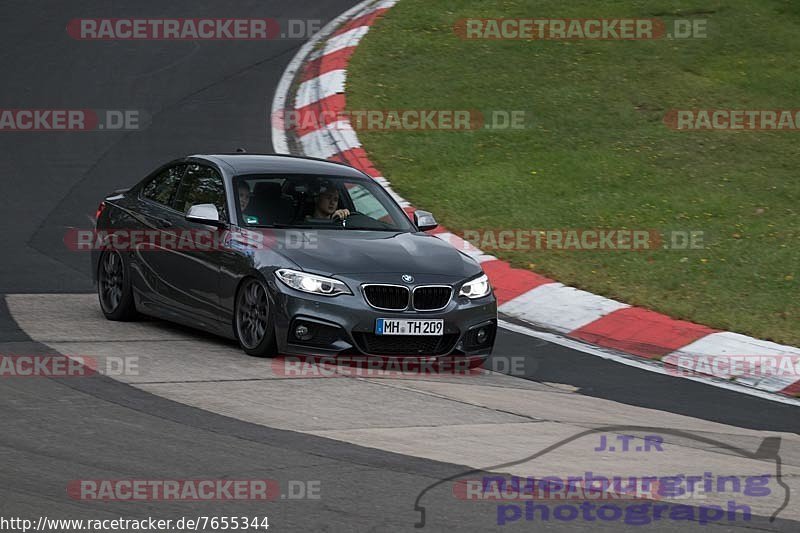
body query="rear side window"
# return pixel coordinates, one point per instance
(201, 185)
(164, 186)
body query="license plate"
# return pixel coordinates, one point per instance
(407, 326)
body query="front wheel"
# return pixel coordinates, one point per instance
(253, 320)
(114, 287)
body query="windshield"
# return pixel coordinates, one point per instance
(320, 202)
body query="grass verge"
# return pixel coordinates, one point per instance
(598, 155)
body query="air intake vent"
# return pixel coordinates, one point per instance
(432, 298)
(405, 345)
(388, 297)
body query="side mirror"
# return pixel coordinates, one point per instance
(424, 220)
(204, 214)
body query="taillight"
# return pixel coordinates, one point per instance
(100, 209)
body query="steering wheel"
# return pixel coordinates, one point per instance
(352, 213)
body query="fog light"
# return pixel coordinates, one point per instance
(301, 332)
(481, 336)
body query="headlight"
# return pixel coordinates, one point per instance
(477, 288)
(311, 283)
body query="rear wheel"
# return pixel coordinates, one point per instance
(253, 321)
(114, 287)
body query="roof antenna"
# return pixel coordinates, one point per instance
(241, 150)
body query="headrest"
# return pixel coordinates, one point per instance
(267, 189)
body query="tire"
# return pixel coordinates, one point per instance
(114, 287)
(253, 320)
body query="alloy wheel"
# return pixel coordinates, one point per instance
(111, 280)
(252, 314)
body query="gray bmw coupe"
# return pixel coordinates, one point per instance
(289, 255)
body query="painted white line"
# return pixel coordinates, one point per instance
(644, 364)
(328, 140)
(383, 182)
(345, 40)
(321, 87)
(278, 134)
(465, 246)
(560, 308)
(726, 343)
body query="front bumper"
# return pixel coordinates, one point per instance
(345, 325)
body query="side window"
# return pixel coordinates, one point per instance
(163, 187)
(365, 202)
(201, 185)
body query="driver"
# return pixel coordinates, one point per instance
(327, 201)
(244, 203)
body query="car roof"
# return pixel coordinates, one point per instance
(269, 164)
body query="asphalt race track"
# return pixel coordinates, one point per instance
(198, 408)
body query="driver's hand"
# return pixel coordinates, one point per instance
(341, 214)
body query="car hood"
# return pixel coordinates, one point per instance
(334, 252)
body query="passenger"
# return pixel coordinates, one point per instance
(244, 195)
